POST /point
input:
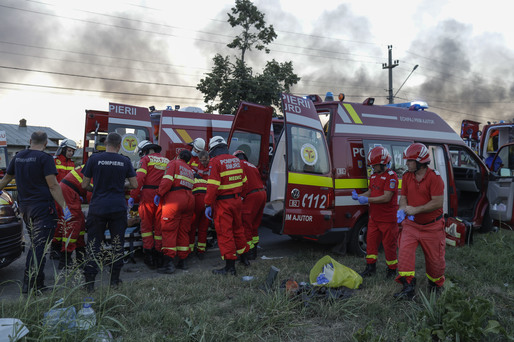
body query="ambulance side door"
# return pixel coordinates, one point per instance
(250, 132)
(309, 191)
(501, 186)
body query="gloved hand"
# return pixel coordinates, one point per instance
(400, 215)
(81, 199)
(208, 213)
(197, 176)
(156, 200)
(355, 195)
(130, 202)
(411, 217)
(363, 200)
(67, 214)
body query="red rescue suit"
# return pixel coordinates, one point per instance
(72, 232)
(200, 223)
(149, 175)
(224, 188)
(382, 223)
(63, 166)
(177, 208)
(253, 203)
(426, 230)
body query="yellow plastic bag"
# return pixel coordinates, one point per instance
(342, 275)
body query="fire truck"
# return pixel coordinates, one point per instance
(313, 158)
(494, 144)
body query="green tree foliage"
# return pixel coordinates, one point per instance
(231, 82)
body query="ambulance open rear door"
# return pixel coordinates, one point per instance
(501, 186)
(309, 186)
(250, 133)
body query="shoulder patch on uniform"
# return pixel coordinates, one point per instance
(437, 172)
(390, 172)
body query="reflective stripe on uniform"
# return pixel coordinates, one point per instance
(406, 274)
(213, 181)
(62, 167)
(231, 172)
(371, 256)
(393, 262)
(433, 279)
(142, 170)
(230, 186)
(187, 179)
(170, 177)
(147, 234)
(76, 175)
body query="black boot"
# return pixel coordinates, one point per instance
(167, 267)
(90, 283)
(390, 273)
(182, 265)
(64, 260)
(252, 253)
(230, 268)
(158, 258)
(27, 284)
(370, 270)
(115, 279)
(434, 288)
(149, 258)
(244, 259)
(408, 291)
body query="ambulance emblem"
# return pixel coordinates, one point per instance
(309, 154)
(295, 193)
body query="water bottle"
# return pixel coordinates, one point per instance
(86, 317)
(59, 318)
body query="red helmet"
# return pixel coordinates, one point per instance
(417, 152)
(378, 155)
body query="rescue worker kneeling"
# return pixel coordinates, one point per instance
(223, 204)
(177, 211)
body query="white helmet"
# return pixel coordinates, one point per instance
(66, 143)
(215, 141)
(198, 144)
(145, 145)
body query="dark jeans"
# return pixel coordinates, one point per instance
(41, 222)
(96, 225)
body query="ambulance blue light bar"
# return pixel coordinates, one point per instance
(413, 105)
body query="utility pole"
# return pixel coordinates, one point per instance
(390, 65)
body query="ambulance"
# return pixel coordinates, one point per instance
(494, 144)
(320, 157)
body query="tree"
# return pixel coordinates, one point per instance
(229, 83)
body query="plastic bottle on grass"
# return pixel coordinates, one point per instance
(86, 317)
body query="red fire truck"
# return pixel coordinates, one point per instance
(494, 144)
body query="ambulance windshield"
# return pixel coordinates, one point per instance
(307, 150)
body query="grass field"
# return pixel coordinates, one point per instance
(476, 305)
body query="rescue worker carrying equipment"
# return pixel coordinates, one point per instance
(382, 197)
(422, 196)
(254, 200)
(149, 175)
(223, 204)
(64, 165)
(177, 211)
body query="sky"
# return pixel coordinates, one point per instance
(59, 58)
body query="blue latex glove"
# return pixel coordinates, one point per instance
(130, 202)
(156, 200)
(355, 195)
(67, 214)
(411, 217)
(81, 199)
(363, 200)
(400, 215)
(208, 213)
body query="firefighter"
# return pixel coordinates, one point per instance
(253, 203)
(73, 230)
(196, 146)
(64, 165)
(62, 158)
(223, 204)
(149, 175)
(177, 211)
(108, 207)
(200, 223)
(422, 202)
(382, 197)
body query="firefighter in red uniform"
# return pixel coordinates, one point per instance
(177, 211)
(223, 204)
(382, 197)
(253, 203)
(421, 202)
(64, 165)
(200, 223)
(196, 146)
(149, 175)
(73, 230)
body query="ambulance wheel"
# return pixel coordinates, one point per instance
(358, 244)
